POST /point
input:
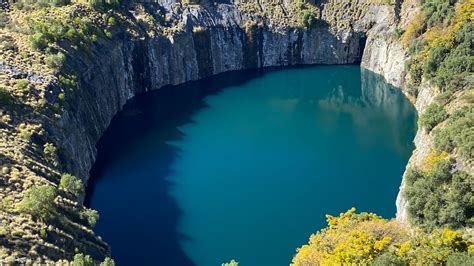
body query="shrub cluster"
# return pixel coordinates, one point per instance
(439, 197)
(72, 184)
(433, 115)
(367, 239)
(39, 202)
(458, 133)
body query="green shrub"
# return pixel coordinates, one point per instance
(72, 184)
(107, 262)
(39, 202)
(388, 259)
(458, 133)
(437, 11)
(90, 216)
(49, 150)
(69, 81)
(230, 263)
(6, 99)
(43, 233)
(460, 259)
(86, 260)
(433, 115)
(82, 260)
(55, 60)
(308, 17)
(22, 84)
(439, 197)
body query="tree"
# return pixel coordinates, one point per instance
(72, 184)
(90, 216)
(39, 202)
(433, 115)
(82, 260)
(107, 262)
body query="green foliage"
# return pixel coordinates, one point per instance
(105, 4)
(308, 13)
(458, 133)
(82, 260)
(460, 259)
(43, 233)
(48, 30)
(21, 84)
(437, 11)
(399, 32)
(55, 60)
(446, 65)
(366, 239)
(4, 20)
(111, 21)
(86, 260)
(69, 81)
(433, 115)
(90, 216)
(72, 184)
(439, 197)
(6, 99)
(231, 263)
(307, 18)
(49, 150)
(27, 4)
(107, 262)
(39, 202)
(388, 259)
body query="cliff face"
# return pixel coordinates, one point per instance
(384, 54)
(214, 40)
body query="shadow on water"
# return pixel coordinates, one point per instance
(126, 221)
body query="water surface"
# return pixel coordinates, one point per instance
(245, 165)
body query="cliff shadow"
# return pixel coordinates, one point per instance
(129, 182)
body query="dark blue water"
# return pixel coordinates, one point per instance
(245, 165)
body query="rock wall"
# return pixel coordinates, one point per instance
(384, 54)
(214, 40)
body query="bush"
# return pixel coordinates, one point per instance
(231, 263)
(460, 259)
(107, 262)
(86, 260)
(413, 29)
(49, 151)
(72, 184)
(90, 216)
(437, 11)
(55, 60)
(433, 115)
(82, 260)
(6, 99)
(39, 202)
(21, 84)
(388, 259)
(458, 133)
(308, 17)
(366, 239)
(439, 197)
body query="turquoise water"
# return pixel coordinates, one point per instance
(245, 165)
